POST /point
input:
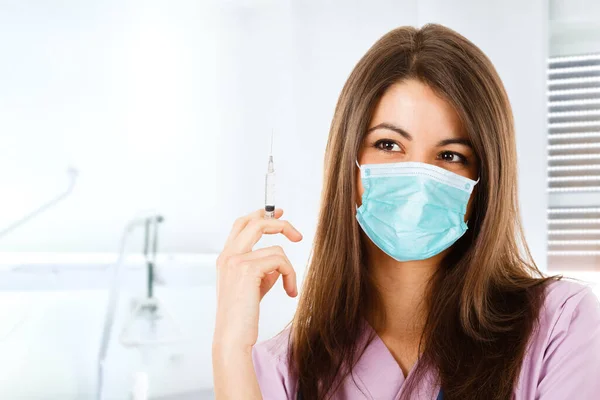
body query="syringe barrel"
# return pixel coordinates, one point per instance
(270, 189)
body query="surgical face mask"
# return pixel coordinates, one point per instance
(413, 210)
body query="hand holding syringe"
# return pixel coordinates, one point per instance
(244, 276)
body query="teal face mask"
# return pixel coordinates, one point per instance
(413, 210)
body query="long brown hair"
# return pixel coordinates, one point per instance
(488, 291)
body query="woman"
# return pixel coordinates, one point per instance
(420, 285)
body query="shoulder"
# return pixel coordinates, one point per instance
(565, 342)
(565, 299)
(569, 309)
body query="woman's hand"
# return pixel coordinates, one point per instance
(245, 276)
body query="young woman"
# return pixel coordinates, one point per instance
(420, 285)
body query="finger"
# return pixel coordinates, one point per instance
(241, 222)
(254, 230)
(264, 252)
(268, 282)
(281, 264)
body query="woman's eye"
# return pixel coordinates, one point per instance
(452, 157)
(387, 145)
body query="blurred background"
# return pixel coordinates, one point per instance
(116, 110)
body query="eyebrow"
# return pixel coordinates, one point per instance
(408, 136)
(391, 127)
(464, 142)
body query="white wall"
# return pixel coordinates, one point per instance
(574, 27)
(125, 92)
(170, 105)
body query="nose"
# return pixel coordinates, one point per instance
(418, 154)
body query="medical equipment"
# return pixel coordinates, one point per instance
(73, 173)
(413, 210)
(270, 186)
(145, 327)
(142, 327)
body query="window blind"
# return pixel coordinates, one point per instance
(574, 163)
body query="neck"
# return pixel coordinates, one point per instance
(402, 287)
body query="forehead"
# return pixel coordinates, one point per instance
(420, 111)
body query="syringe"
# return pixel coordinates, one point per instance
(270, 186)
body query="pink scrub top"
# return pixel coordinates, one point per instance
(562, 360)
